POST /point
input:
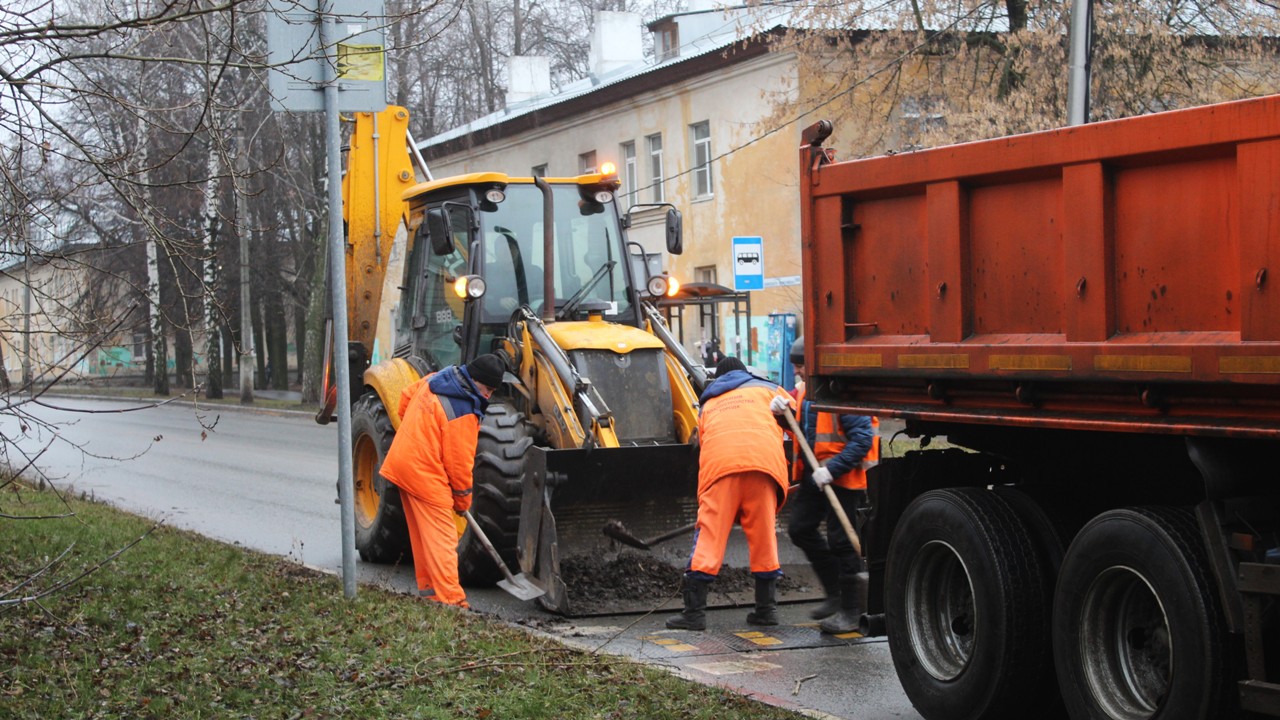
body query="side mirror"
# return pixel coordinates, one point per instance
(438, 231)
(675, 232)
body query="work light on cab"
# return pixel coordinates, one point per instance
(469, 287)
(673, 287)
(657, 285)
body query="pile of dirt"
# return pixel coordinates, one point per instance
(596, 584)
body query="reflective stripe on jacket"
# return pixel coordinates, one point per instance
(847, 448)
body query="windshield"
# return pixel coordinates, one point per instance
(588, 255)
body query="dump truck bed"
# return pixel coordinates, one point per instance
(1114, 276)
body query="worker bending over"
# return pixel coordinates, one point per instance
(742, 477)
(845, 446)
(430, 460)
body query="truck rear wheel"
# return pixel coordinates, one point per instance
(381, 533)
(497, 483)
(1137, 632)
(965, 607)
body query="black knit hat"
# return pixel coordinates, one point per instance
(487, 369)
(728, 365)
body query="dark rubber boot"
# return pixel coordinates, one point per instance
(853, 597)
(694, 615)
(828, 572)
(766, 612)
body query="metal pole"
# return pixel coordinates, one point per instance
(1081, 41)
(337, 273)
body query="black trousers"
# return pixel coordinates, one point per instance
(831, 550)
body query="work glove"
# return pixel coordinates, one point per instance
(461, 503)
(821, 477)
(460, 522)
(779, 405)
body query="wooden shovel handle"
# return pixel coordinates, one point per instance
(826, 489)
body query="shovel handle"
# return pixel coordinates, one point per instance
(826, 489)
(484, 540)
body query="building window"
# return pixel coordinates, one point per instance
(701, 161)
(668, 42)
(655, 166)
(587, 162)
(630, 173)
(539, 170)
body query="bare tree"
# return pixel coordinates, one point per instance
(914, 73)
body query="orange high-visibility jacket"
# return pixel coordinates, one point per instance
(846, 444)
(738, 432)
(435, 448)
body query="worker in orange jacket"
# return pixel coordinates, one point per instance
(430, 460)
(845, 446)
(742, 477)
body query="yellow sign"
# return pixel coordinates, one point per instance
(361, 62)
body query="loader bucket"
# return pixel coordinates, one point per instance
(571, 495)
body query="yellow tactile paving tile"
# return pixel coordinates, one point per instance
(759, 638)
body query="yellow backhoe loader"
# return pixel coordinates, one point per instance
(595, 418)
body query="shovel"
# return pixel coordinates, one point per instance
(616, 530)
(826, 489)
(518, 585)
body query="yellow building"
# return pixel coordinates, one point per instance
(689, 127)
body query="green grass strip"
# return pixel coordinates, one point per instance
(178, 626)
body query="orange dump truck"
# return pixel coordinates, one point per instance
(1091, 317)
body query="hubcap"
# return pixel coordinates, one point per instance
(940, 612)
(1125, 645)
(365, 476)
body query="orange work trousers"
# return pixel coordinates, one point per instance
(748, 498)
(434, 538)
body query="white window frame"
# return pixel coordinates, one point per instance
(630, 173)
(653, 144)
(700, 159)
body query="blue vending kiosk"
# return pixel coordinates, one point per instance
(782, 332)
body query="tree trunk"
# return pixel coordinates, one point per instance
(276, 328)
(312, 373)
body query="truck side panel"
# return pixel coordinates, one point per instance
(1111, 276)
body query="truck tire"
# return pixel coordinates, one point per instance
(1137, 629)
(497, 484)
(381, 533)
(964, 607)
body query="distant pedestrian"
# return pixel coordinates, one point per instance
(430, 460)
(742, 478)
(711, 353)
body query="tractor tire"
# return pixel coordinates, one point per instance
(381, 533)
(1137, 628)
(497, 486)
(965, 608)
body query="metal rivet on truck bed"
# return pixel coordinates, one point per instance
(1080, 287)
(942, 289)
(1261, 278)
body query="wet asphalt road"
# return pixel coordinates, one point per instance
(265, 480)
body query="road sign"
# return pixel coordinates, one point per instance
(748, 263)
(297, 57)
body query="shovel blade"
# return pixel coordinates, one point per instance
(521, 587)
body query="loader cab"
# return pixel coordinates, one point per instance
(490, 225)
(430, 312)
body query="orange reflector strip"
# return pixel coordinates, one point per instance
(1029, 362)
(1143, 363)
(850, 360)
(1241, 364)
(934, 362)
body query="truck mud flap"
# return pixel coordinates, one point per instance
(568, 497)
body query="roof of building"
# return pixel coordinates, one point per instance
(700, 56)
